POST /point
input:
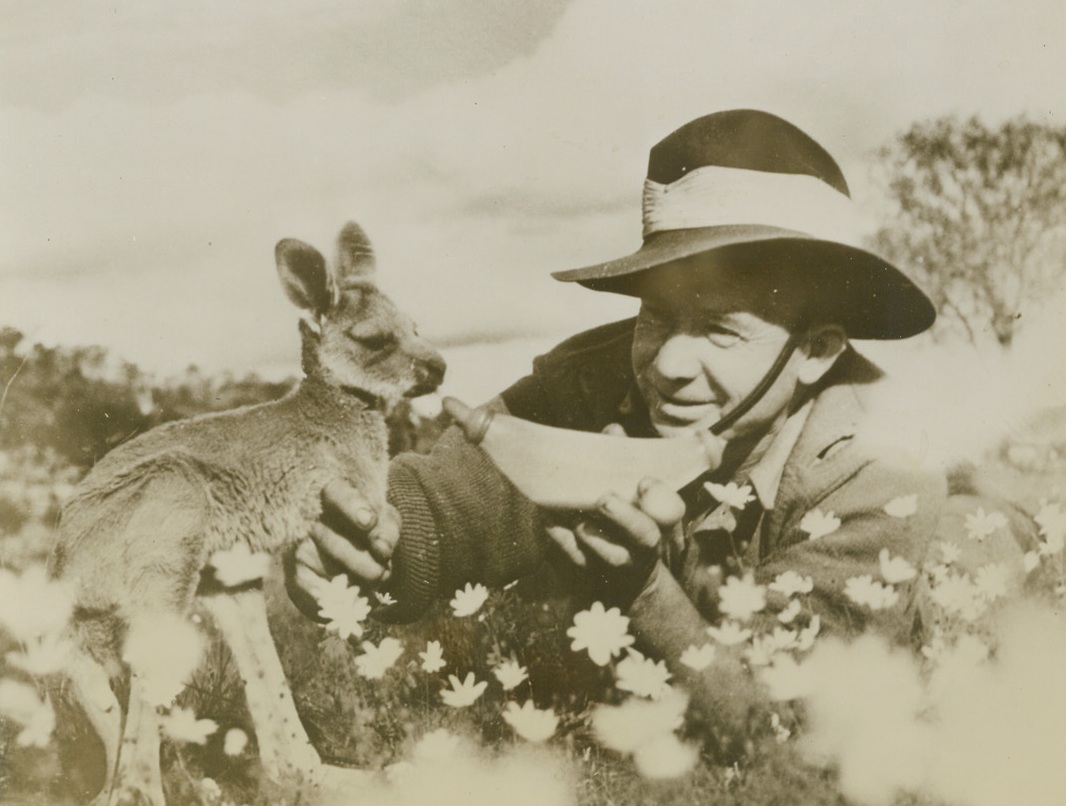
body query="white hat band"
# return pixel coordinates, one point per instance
(714, 196)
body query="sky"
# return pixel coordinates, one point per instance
(152, 154)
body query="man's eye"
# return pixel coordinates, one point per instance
(722, 336)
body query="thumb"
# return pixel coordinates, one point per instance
(614, 430)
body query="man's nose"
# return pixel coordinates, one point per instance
(678, 358)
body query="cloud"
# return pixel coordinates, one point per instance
(152, 52)
(141, 213)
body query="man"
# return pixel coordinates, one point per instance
(749, 294)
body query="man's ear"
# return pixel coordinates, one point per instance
(824, 345)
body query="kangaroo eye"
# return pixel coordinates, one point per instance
(373, 341)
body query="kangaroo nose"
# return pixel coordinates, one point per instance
(429, 373)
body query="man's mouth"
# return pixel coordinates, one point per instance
(679, 411)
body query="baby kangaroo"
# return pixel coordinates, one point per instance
(135, 538)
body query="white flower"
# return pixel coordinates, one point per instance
(37, 731)
(433, 657)
(181, 725)
(783, 639)
(895, 569)
(510, 674)
(235, 742)
(436, 745)
(781, 733)
(664, 757)
(788, 615)
(377, 660)
(20, 703)
(1052, 521)
(902, 507)
(623, 728)
(992, 580)
(642, 676)
(865, 591)
(463, 694)
(1031, 560)
(959, 595)
(239, 565)
(384, 598)
(33, 605)
(602, 632)
(818, 524)
(698, 658)
(980, 524)
(938, 573)
(44, 655)
(789, 583)
(764, 648)
(163, 650)
(741, 598)
(531, 723)
(730, 633)
(761, 652)
(469, 600)
(949, 552)
(730, 494)
(1053, 544)
(806, 637)
(343, 608)
(210, 790)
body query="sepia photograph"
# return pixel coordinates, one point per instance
(560, 403)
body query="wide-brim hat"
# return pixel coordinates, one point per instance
(753, 187)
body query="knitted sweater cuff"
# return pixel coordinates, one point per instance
(416, 559)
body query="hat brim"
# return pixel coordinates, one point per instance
(863, 293)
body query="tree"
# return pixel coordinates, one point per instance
(978, 216)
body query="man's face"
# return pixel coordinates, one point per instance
(705, 336)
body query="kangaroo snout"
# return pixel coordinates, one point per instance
(429, 372)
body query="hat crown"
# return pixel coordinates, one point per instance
(742, 138)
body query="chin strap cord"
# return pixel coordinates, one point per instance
(745, 405)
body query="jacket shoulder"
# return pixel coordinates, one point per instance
(579, 383)
(604, 339)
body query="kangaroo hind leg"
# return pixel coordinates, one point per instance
(90, 686)
(284, 749)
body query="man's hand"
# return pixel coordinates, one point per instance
(619, 546)
(349, 538)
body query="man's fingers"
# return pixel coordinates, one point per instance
(565, 540)
(594, 540)
(660, 502)
(344, 506)
(307, 556)
(637, 528)
(385, 535)
(307, 580)
(356, 562)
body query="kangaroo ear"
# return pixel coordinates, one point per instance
(304, 275)
(355, 256)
